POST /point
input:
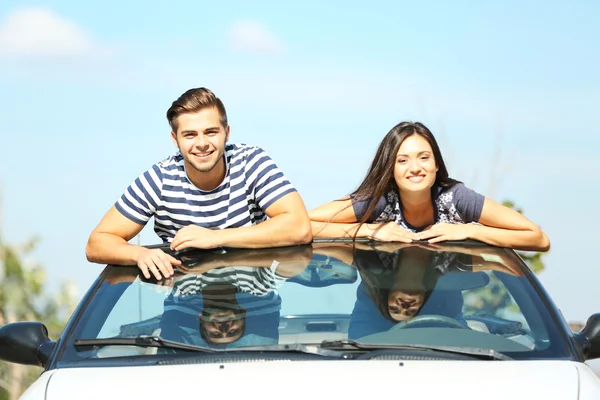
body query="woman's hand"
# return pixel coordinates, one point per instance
(443, 232)
(391, 232)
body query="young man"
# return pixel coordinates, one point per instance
(208, 194)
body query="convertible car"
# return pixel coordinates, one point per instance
(334, 318)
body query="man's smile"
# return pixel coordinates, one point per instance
(203, 155)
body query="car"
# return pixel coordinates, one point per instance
(335, 318)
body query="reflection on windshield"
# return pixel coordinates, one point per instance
(232, 298)
(396, 286)
(413, 294)
(221, 306)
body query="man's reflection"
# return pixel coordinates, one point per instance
(222, 320)
(234, 296)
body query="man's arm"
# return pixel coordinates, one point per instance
(288, 225)
(290, 260)
(108, 244)
(342, 251)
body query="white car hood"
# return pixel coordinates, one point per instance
(338, 380)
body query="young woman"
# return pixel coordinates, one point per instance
(408, 196)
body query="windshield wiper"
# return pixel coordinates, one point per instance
(488, 354)
(141, 341)
(157, 341)
(328, 348)
(293, 348)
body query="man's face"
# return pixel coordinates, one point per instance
(201, 139)
(222, 327)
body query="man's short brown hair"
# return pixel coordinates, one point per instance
(192, 101)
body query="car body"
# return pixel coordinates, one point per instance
(335, 318)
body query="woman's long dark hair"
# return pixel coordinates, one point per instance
(378, 274)
(380, 176)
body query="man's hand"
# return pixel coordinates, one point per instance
(156, 262)
(442, 232)
(196, 237)
(392, 232)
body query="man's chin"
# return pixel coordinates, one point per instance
(204, 167)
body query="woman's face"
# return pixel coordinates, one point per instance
(407, 293)
(403, 305)
(415, 168)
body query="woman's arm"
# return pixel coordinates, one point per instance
(505, 227)
(334, 220)
(500, 226)
(337, 219)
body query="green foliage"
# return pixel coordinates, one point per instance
(494, 298)
(532, 259)
(23, 297)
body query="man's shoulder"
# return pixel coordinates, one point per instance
(172, 161)
(169, 166)
(243, 151)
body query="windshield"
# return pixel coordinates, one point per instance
(463, 296)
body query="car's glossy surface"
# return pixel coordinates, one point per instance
(471, 314)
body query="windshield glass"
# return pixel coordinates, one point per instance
(459, 295)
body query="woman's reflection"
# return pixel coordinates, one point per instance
(399, 283)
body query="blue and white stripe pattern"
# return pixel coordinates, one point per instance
(252, 183)
(257, 281)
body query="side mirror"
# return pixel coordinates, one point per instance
(590, 335)
(25, 343)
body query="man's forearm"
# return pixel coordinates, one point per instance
(105, 248)
(264, 256)
(344, 254)
(281, 230)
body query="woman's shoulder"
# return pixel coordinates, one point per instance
(460, 202)
(389, 195)
(382, 203)
(455, 190)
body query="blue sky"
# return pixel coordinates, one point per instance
(511, 90)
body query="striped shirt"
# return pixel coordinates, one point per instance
(255, 287)
(258, 281)
(252, 183)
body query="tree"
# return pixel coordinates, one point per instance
(23, 297)
(494, 299)
(533, 259)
